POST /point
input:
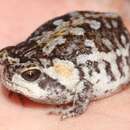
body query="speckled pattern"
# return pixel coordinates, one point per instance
(74, 58)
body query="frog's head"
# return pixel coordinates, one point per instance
(39, 78)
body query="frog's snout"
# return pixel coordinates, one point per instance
(4, 54)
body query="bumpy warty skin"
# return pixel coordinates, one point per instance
(75, 58)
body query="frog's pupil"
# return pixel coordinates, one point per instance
(31, 75)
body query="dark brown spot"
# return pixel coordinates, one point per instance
(89, 63)
(99, 44)
(127, 60)
(49, 83)
(120, 65)
(119, 31)
(106, 91)
(95, 65)
(88, 85)
(81, 73)
(9, 72)
(108, 70)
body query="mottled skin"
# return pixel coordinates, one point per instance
(70, 61)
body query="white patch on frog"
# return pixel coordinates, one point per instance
(103, 85)
(98, 56)
(71, 48)
(118, 52)
(97, 15)
(90, 43)
(78, 21)
(114, 23)
(107, 24)
(64, 72)
(92, 15)
(123, 39)
(77, 31)
(76, 18)
(75, 14)
(101, 81)
(42, 39)
(96, 76)
(94, 24)
(13, 60)
(111, 15)
(45, 62)
(116, 40)
(58, 22)
(52, 44)
(107, 43)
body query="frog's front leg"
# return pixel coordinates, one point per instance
(77, 109)
(80, 102)
(67, 111)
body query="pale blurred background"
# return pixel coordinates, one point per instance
(18, 18)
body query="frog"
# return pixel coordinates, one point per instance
(70, 61)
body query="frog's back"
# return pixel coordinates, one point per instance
(98, 44)
(81, 32)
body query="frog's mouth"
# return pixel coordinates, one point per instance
(18, 85)
(5, 81)
(41, 90)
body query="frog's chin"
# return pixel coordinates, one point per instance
(32, 90)
(25, 92)
(18, 85)
(30, 95)
(5, 81)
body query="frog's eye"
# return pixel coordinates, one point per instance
(31, 75)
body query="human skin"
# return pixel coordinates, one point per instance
(18, 18)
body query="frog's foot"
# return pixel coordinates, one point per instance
(55, 110)
(75, 110)
(80, 101)
(68, 111)
(79, 104)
